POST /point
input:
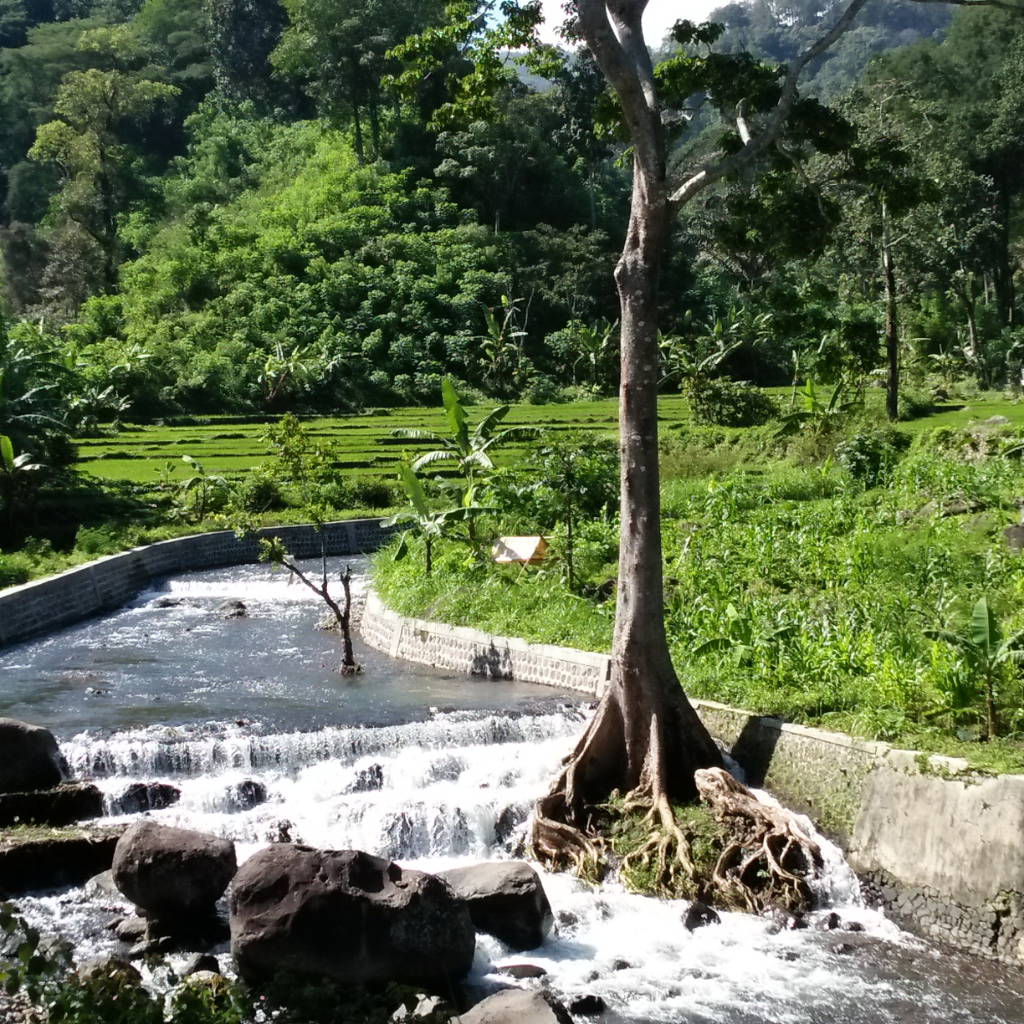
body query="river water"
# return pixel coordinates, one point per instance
(433, 770)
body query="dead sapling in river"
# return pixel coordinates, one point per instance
(273, 550)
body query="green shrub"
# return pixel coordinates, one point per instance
(727, 403)
(372, 492)
(913, 404)
(259, 492)
(869, 455)
(14, 569)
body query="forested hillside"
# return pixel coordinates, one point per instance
(252, 206)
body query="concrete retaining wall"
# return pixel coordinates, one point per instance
(940, 848)
(107, 583)
(479, 653)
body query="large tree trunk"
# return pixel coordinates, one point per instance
(645, 738)
(892, 347)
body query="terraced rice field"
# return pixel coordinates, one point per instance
(364, 444)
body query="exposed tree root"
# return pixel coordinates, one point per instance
(771, 861)
(668, 846)
(561, 844)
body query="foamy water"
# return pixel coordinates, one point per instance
(438, 783)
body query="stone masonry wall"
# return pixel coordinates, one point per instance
(109, 582)
(478, 653)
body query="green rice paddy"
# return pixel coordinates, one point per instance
(364, 446)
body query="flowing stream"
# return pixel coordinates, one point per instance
(249, 718)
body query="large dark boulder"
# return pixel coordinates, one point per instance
(517, 1006)
(506, 900)
(29, 758)
(173, 873)
(347, 916)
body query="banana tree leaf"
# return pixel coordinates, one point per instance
(984, 628)
(490, 421)
(413, 487)
(456, 413)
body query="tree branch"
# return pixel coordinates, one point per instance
(625, 19)
(708, 175)
(618, 46)
(741, 122)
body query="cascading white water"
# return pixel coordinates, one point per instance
(451, 787)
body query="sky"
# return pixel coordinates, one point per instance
(658, 18)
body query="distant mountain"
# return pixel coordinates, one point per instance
(778, 31)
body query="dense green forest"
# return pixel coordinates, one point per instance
(247, 206)
(250, 207)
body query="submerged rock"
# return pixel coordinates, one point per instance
(700, 915)
(348, 916)
(29, 758)
(131, 929)
(232, 609)
(521, 971)
(145, 796)
(506, 900)
(247, 794)
(587, 1006)
(173, 873)
(516, 1006)
(201, 962)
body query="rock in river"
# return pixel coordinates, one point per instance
(173, 873)
(29, 757)
(506, 900)
(349, 916)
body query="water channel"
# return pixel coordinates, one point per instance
(431, 769)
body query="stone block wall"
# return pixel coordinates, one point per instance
(110, 582)
(478, 653)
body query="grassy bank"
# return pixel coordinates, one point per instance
(801, 582)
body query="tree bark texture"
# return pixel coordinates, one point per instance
(892, 345)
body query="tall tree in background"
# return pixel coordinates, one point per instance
(342, 61)
(245, 33)
(83, 142)
(888, 186)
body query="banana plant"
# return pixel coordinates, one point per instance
(422, 520)
(468, 451)
(816, 413)
(744, 638)
(17, 472)
(201, 483)
(986, 652)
